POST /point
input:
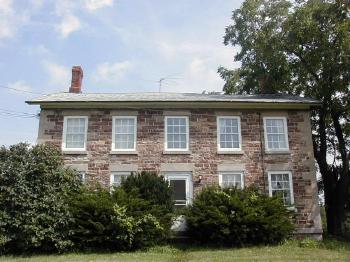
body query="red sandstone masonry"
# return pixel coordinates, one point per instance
(203, 147)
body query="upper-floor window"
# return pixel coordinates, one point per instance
(231, 179)
(124, 133)
(280, 182)
(74, 133)
(276, 133)
(176, 133)
(117, 178)
(229, 133)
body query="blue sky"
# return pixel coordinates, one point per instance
(122, 46)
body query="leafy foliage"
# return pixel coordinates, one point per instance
(237, 217)
(92, 210)
(34, 186)
(102, 224)
(146, 192)
(301, 48)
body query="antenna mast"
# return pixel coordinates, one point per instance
(160, 84)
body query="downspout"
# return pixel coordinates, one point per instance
(262, 153)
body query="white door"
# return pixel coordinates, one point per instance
(182, 188)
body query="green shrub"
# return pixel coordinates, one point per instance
(148, 232)
(309, 243)
(237, 217)
(92, 210)
(100, 223)
(146, 193)
(34, 187)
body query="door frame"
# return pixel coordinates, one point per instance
(187, 176)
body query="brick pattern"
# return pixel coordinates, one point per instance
(203, 147)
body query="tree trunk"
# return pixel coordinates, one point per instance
(335, 208)
(336, 181)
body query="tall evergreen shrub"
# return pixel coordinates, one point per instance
(34, 187)
(147, 193)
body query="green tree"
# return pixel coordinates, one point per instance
(301, 48)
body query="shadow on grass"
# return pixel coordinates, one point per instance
(184, 245)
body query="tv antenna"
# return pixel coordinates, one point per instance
(166, 80)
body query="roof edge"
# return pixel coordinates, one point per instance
(175, 104)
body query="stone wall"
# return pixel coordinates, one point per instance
(203, 158)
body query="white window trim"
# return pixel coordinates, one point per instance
(121, 173)
(189, 183)
(285, 134)
(113, 134)
(166, 134)
(241, 173)
(64, 148)
(218, 133)
(290, 183)
(83, 176)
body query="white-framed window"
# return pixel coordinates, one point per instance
(176, 133)
(74, 133)
(117, 178)
(276, 134)
(124, 133)
(182, 186)
(231, 179)
(229, 133)
(82, 176)
(280, 182)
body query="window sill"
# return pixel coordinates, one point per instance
(185, 152)
(74, 152)
(292, 208)
(123, 153)
(238, 152)
(277, 152)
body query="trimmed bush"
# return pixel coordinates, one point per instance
(92, 210)
(102, 224)
(34, 187)
(146, 193)
(237, 217)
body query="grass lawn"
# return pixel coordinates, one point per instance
(290, 251)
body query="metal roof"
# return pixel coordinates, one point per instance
(169, 97)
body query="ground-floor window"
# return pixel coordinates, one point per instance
(182, 188)
(117, 177)
(82, 176)
(280, 182)
(231, 179)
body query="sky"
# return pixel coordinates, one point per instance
(122, 46)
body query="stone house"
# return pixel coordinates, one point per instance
(192, 139)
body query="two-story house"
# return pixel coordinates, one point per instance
(192, 139)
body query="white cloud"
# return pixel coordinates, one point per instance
(68, 25)
(93, 5)
(112, 72)
(10, 20)
(37, 50)
(171, 49)
(18, 87)
(68, 10)
(65, 7)
(201, 61)
(59, 76)
(201, 74)
(69, 22)
(36, 4)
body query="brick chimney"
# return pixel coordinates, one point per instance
(77, 79)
